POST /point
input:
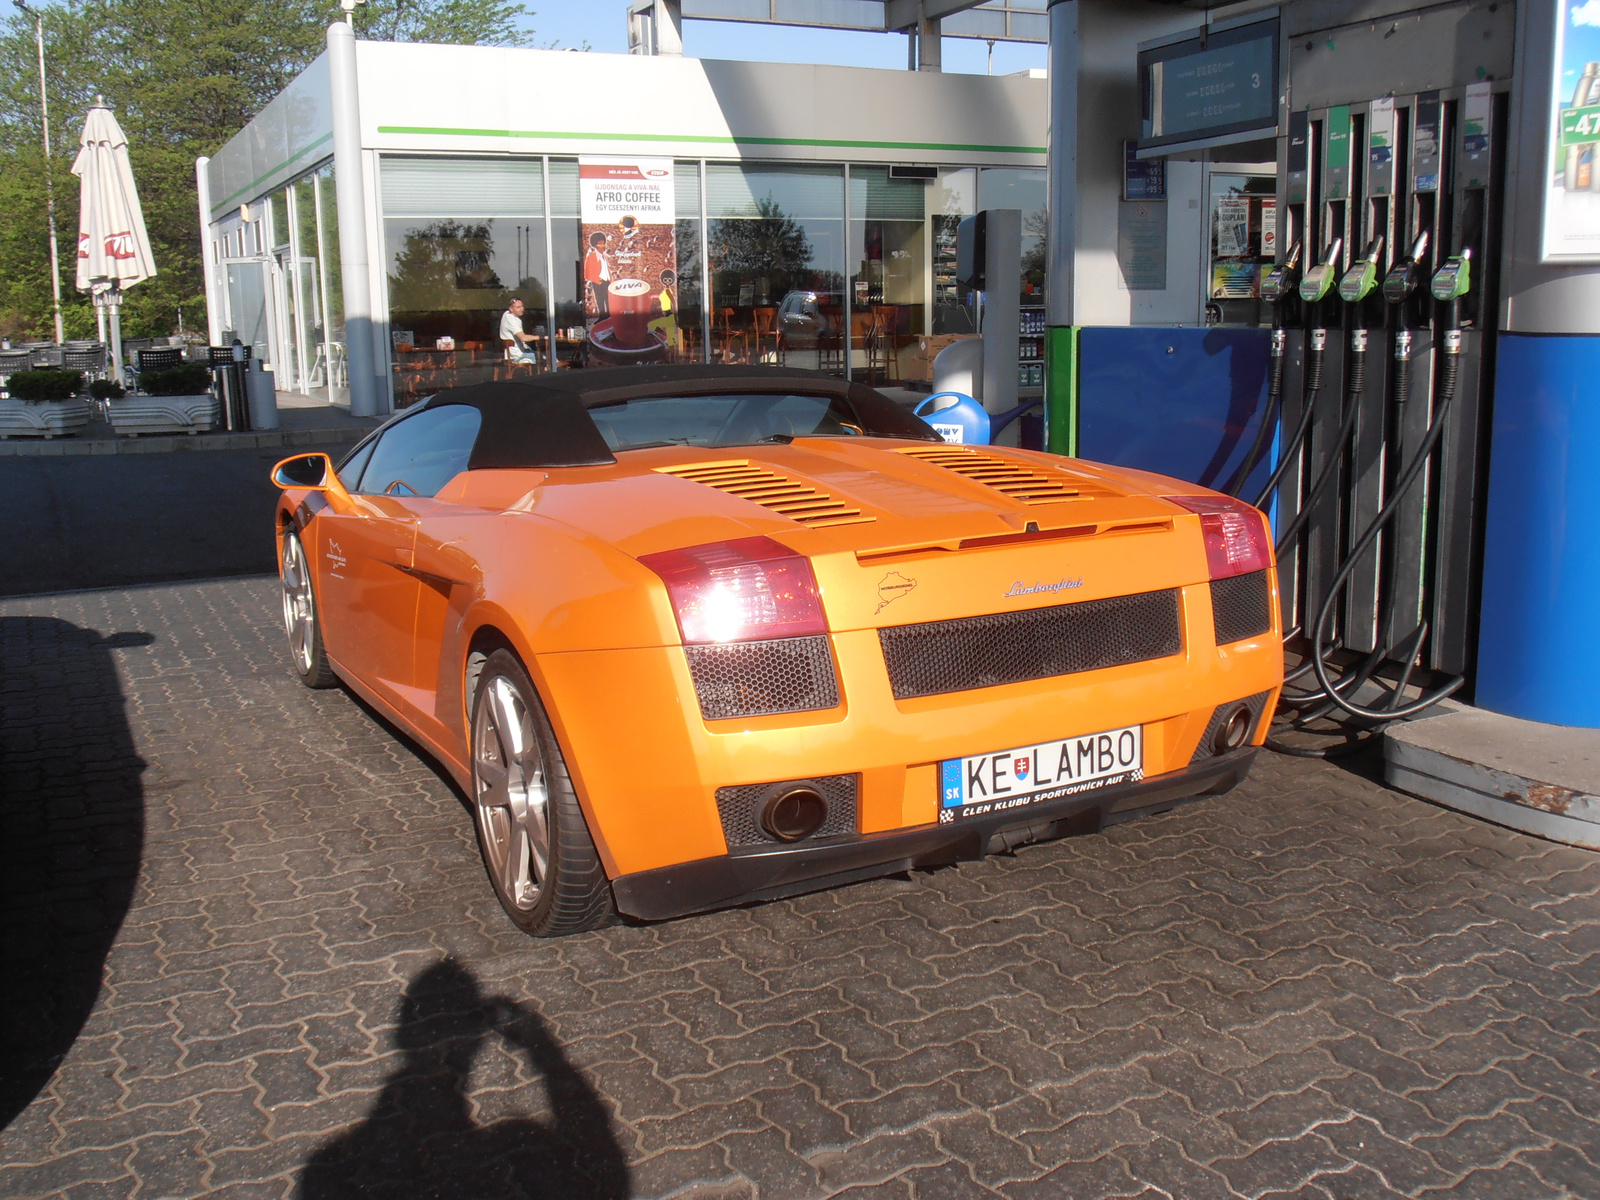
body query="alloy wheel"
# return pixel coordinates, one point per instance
(511, 798)
(299, 605)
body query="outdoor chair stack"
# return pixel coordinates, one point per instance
(12, 361)
(88, 357)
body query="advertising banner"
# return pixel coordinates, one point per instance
(630, 258)
(1233, 226)
(1572, 172)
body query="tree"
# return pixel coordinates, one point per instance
(182, 78)
(772, 245)
(461, 22)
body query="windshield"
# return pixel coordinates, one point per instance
(734, 420)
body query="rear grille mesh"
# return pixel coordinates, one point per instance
(1010, 478)
(740, 809)
(979, 652)
(749, 679)
(1241, 607)
(785, 496)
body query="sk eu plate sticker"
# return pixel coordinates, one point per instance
(988, 783)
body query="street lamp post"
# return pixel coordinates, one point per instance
(49, 180)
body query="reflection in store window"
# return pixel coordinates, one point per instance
(1021, 188)
(776, 245)
(889, 280)
(464, 238)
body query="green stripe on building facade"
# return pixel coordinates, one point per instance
(249, 188)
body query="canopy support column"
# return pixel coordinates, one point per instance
(350, 192)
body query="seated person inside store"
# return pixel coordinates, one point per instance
(519, 346)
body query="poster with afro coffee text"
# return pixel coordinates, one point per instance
(630, 259)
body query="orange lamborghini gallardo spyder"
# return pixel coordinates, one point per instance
(691, 636)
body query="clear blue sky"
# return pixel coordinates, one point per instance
(604, 25)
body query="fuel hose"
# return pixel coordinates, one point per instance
(1269, 415)
(1330, 469)
(1291, 449)
(1449, 371)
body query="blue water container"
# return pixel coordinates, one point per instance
(956, 417)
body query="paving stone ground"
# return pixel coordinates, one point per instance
(249, 952)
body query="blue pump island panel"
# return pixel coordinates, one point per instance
(1539, 633)
(1180, 402)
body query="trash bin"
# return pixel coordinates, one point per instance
(261, 387)
(956, 417)
(228, 364)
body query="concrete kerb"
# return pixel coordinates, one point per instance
(169, 443)
(1541, 779)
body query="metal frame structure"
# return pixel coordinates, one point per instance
(655, 26)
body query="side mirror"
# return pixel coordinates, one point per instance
(304, 471)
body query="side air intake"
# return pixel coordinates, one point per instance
(784, 496)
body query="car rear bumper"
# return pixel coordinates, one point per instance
(769, 873)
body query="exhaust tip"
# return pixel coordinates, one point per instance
(1234, 730)
(793, 814)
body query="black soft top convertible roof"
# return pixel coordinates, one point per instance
(544, 421)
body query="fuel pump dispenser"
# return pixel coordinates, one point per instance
(1377, 512)
(1450, 284)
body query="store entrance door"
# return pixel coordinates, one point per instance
(254, 312)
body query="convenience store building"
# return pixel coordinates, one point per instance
(366, 231)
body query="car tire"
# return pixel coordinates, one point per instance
(532, 834)
(302, 622)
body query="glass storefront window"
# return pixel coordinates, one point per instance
(776, 245)
(689, 319)
(889, 275)
(566, 255)
(331, 282)
(1021, 188)
(464, 239)
(952, 196)
(1243, 210)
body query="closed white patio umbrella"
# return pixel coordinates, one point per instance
(113, 247)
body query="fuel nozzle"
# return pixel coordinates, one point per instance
(1406, 275)
(1362, 277)
(1318, 280)
(1454, 278)
(1451, 282)
(1279, 283)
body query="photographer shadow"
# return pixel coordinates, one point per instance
(72, 826)
(420, 1139)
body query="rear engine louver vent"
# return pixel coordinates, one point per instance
(1013, 479)
(785, 496)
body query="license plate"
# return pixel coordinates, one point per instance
(988, 783)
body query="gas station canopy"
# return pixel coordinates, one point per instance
(999, 20)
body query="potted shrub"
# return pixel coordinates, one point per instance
(174, 401)
(43, 403)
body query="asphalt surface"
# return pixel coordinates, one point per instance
(113, 520)
(250, 952)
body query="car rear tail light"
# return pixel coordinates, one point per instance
(747, 589)
(1236, 535)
